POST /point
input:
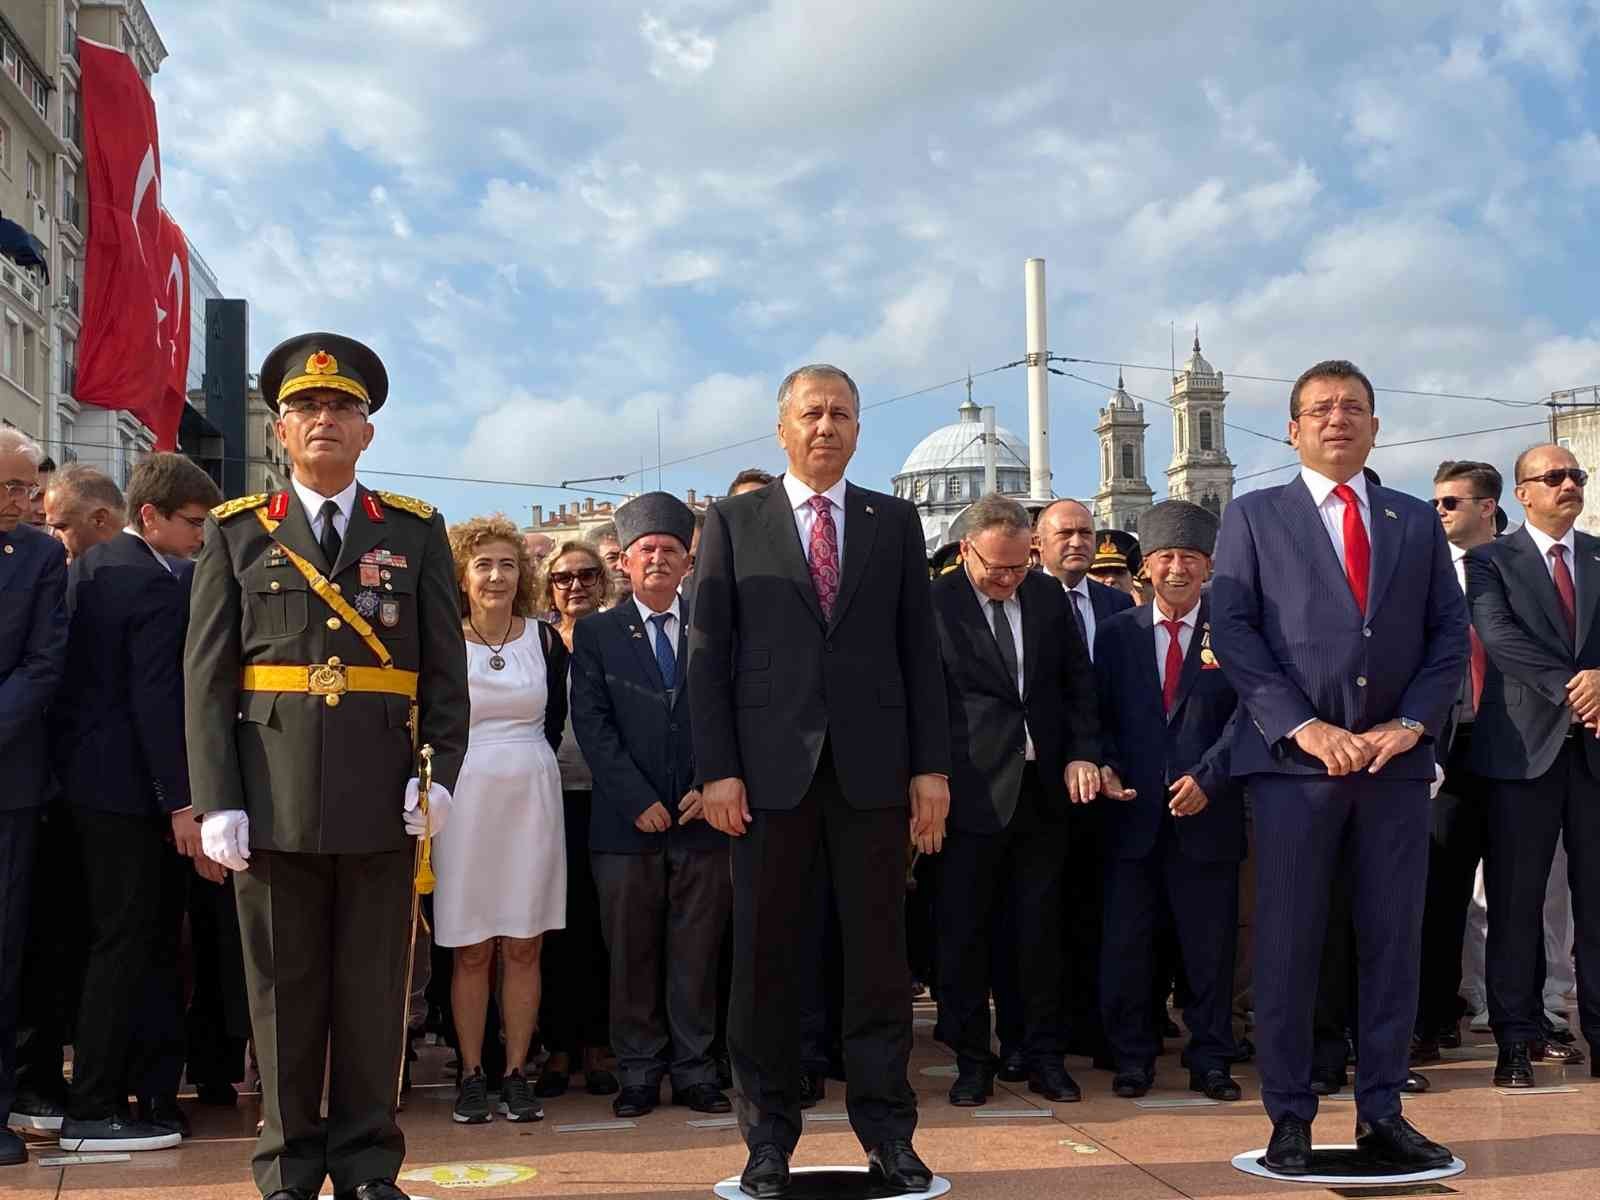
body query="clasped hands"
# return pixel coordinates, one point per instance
(1583, 696)
(656, 818)
(1345, 753)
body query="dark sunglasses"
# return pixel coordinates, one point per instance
(1555, 478)
(1451, 503)
(588, 576)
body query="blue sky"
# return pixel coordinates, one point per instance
(556, 221)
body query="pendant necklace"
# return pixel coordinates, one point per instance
(496, 661)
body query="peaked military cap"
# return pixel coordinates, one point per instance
(1178, 525)
(324, 360)
(654, 512)
(1116, 550)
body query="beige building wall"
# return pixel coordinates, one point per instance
(268, 470)
(1578, 429)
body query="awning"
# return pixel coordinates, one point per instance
(22, 248)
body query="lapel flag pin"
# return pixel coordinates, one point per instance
(870, 513)
(1389, 512)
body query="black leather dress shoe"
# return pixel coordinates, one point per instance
(1512, 1069)
(1555, 1054)
(291, 1194)
(1130, 1085)
(1053, 1083)
(1013, 1066)
(972, 1088)
(636, 1101)
(766, 1173)
(897, 1164)
(1395, 1142)
(702, 1098)
(1328, 1081)
(1289, 1152)
(813, 1088)
(1424, 1051)
(1215, 1085)
(1244, 1051)
(373, 1189)
(1450, 1036)
(1416, 1083)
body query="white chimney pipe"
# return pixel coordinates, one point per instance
(1038, 383)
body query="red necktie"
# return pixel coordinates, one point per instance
(1173, 671)
(1478, 663)
(1564, 590)
(1357, 549)
(824, 554)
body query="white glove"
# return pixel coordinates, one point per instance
(438, 809)
(1438, 781)
(225, 838)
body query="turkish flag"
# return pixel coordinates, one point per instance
(133, 353)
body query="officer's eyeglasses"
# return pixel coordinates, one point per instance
(18, 490)
(337, 409)
(1555, 478)
(588, 576)
(995, 568)
(1451, 503)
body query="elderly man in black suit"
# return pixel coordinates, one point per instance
(1177, 837)
(33, 647)
(1534, 595)
(662, 873)
(819, 720)
(1024, 742)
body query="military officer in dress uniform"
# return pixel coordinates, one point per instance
(324, 647)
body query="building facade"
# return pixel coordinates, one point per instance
(1576, 425)
(1200, 471)
(944, 472)
(1123, 494)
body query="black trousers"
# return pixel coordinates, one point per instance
(159, 1047)
(663, 916)
(574, 1008)
(1082, 921)
(1460, 829)
(121, 863)
(326, 938)
(218, 1023)
(1013, 877)
(53, 963)
(1525, 819)
(1203, 900)
(19, 835)
(773, 872)
(819, 977)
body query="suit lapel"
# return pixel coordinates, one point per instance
(294, 531)
(1305, 523)
(779, 518)
(1587, 553)
(642, 638)
(360, 535)
(860, 524)
(1388, 534)
(1191, 660)
(1146, 669)
(1537, 575)
(1032, 618)
(976, 619)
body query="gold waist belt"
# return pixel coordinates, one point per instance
(330, 679)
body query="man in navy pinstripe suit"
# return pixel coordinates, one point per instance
(1337, 617)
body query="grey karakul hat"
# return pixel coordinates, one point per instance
(654, 512)
(1178, 525)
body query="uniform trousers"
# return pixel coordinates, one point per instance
(774, 867)
(218, 1024)
(325, 943)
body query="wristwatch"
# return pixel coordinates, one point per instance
(1414, 726)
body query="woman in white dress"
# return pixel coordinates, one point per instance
(501, 861)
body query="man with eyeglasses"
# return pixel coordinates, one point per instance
(324, 647)
(1534, 595)
(33, 650)
(1337, 617)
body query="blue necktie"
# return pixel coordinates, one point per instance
(665, 659)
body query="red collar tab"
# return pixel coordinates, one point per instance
(278, 506)
(373, 509)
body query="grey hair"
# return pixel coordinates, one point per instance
(87, 485)
(815, 371)
(996, 512)
(14, 441)
(606, 532)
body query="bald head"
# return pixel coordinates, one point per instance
(83, 508)
(1064, 534)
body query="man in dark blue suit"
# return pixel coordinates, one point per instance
(662, 872)
(1336, 615)
(1178, 835)
(33, 648)
(1534, 595)
(119, 748)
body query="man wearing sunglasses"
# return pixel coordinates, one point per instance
(1534, 595)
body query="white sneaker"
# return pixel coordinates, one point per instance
(1480, 1021)
(115, 1134)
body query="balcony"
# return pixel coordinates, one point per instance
(19, 283)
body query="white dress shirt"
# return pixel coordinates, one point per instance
(1013, 612)
(1086, 607)
(1544, 541)
(1458, 560)
(672, 622)
(160, 558)
(313, 502)
(805, 516)
(1331, 509)
(1186, 625)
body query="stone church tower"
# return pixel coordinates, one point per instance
(1201, 471)
(1123, 493)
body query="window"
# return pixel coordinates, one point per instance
(1205, 432)
(29, 344)
(1106, 473)
(13, 63)
(955, 487)
(35, 177)
(1129, 469)
(69, 365)
(9, 350)
(5, 147)
(920, 490)
(41, 97)
(1212, 503)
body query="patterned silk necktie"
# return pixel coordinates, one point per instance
(824, 555)
(1174, 667)
(1357, 549)
(665, 658)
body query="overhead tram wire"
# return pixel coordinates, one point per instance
(1151, 400)
(1422, 441)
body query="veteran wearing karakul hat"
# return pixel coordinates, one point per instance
(324, 645)
(1179, 836)
(661, 871)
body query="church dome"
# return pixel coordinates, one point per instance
(1196, 366)
(960, 445)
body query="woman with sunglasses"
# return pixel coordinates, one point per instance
(575, 1016)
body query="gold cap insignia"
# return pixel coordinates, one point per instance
(1107, 546)
(322, 363)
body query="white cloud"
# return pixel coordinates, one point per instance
(676, 54)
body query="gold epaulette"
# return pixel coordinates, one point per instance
(417, 508)
(234, 507)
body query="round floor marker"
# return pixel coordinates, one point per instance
(836, 1183)
(1338, 1165)
(948, 1071)
(470, 1174)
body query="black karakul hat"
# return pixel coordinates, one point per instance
(654, 512)
(324, 360)
(1178, 525)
